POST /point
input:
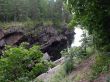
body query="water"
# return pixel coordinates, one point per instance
(77, 37)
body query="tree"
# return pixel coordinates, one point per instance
(39, 10)
(94, 15)
(19, 64)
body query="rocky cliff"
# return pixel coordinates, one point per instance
(52, 40)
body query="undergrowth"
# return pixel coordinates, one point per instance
(22, 64)
(101, 66)
(73, 57)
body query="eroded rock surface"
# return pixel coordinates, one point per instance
(52, 40)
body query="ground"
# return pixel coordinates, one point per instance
(81, 73)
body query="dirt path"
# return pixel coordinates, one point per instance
(103, 78)
(82, 71)
(79, 74)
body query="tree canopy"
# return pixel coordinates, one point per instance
(40, 10)
(93, 15)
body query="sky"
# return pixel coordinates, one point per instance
(77, 37)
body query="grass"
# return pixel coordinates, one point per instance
(66, 69)
(24, 24)
(108, 79)
(66, 72)
(61, 76)
(101, 66)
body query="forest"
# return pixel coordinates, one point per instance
(54, 41)
(40, 10)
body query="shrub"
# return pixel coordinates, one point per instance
(78, 52)
(69, 65)
(47, 23)
(74, 56)
(108, 79)
(38, 69)
(24, 45)
(101, 65)
(18, 63)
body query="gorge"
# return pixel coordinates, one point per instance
(51, 40)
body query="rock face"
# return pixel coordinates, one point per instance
(10, 37)
(51, 40)
(1, 34)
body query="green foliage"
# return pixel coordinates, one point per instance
(59, 76)
(47, 23)
(87, 43)
(29, 23)
(18, 63)
(108, 79)
(37, 80)
(101, 65)
(72, 24)
(93, 15)
(37, 10)
(76, 52)
(24, 25)
(50, 64)
(38, 69)
(69, 65)
(90, 51)
(72, 56)
(24, 45)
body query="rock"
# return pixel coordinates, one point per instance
(10, 37)
(59, 61)
(1, 34)
(46, 56)
(14, 38)
(49, 74)
(52, 40)
(55, 42)
(2, 43)
(14, 30)
(54, 46)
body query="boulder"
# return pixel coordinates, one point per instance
(46, 56)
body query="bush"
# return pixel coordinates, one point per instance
(69, 65)
(69, 62)
(75, 52)
(47, 23)
(74, 56)
(18, 63)
(108, 79)
(101, 65)
(38, 69)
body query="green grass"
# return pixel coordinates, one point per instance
(25, 24)
(58, 77)
(101, 66)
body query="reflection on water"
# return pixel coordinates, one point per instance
(77, 37)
